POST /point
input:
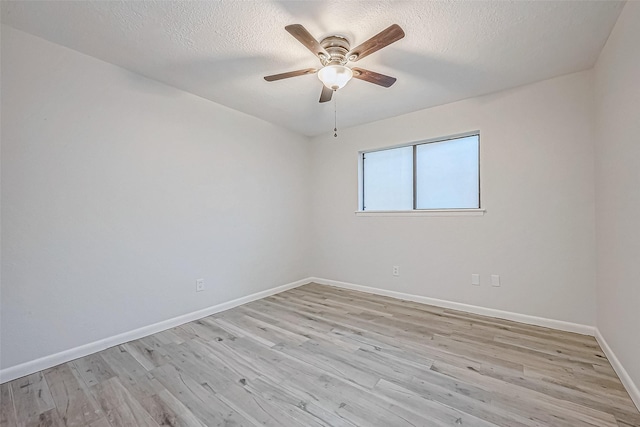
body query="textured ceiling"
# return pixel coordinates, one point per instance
(221, 50)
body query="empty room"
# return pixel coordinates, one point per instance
(320, 213)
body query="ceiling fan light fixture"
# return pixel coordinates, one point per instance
(335, 76)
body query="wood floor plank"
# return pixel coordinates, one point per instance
(231, 366)
(547, 409)
(8, 416)
(103, 422)
(75, 405)
(48, 418)
(120, 407)
(255, 408)
(167, 410)
(198, 397)
(310, 327)
(271, 333)
(296, 405)
(439, 413)
(31, 398)
(322, 356)
(93, 369)
(144, 353)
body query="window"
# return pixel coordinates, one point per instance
(440, 174)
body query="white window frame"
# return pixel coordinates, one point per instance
(419, 212)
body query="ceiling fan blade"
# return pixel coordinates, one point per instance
(373, 77)
(290, 74)
(326, 94)
(377, 42)
(304, 37)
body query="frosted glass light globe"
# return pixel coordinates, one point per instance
(335, 76)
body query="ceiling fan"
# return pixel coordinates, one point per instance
(334, 52)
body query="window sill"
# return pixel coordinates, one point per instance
(429, 212)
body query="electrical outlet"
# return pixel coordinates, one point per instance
(396, 270)
(495, 280)
(475, 279)
(199, 285)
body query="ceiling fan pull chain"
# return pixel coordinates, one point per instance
(335, 116)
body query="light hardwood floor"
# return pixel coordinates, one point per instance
(318, 356)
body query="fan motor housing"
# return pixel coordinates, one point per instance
(337, 47)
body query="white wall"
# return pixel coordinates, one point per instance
(118, 192)
(537, 174)
(617, 95)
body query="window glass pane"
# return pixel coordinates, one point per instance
(388, 179)
(447, 174)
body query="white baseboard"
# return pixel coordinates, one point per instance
(491, 312)
(628, 383)
(46, 362)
